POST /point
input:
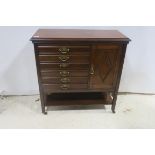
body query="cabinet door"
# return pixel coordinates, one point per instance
(105, 60)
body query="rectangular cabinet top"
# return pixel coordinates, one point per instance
(78, 35)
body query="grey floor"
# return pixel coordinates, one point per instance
(132, 111)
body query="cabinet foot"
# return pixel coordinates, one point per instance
(44, 110)
(45, 113)
(113, 111)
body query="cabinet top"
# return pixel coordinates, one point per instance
(78, 35)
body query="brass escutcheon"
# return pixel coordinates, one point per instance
(64, 50)
(65, 80)
(64, 86)
(64, 73)
(63, 58)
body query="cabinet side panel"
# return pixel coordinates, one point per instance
(42, 95)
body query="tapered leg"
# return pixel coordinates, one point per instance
(45, 110)
(43, 103)
(43, 107)
(113, 109)
(114, 102)
(111, 99)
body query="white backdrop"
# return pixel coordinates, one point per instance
(17, 63)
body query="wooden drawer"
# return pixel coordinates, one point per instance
(47, 66)
(55, 80)
(64, 58)
(75, 50)
(48, 88)
(64, 73)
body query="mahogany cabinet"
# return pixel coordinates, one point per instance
(79, 67)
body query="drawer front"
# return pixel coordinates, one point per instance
(64, 58)
(47, 66)
(64, 80)
(64, 67)
(75, 50)
(64, 73)
(48, 88)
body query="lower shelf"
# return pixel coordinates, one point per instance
(84, 98)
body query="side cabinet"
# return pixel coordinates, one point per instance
(79, 67)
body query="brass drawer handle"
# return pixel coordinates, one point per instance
(64, 73)
(92, 70)
(63, 58)
(64, 65)
(64, 86)
(64, 50)
(65, 80)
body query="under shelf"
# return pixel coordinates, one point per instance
(83, 98)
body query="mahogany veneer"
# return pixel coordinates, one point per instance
(79, 66)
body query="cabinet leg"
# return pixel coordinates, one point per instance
(43, 107)
(45, 110)
(114, 102)
(113, 109)
(43, 103)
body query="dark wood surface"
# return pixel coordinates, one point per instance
(80, 98)
(105, 63)
(57, 80)
(65, 58)
(64, 73)
(88, 64)
(54, 50)
(78, 34)
(64, 66)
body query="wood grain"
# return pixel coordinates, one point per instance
(78, 34)
(77, 66)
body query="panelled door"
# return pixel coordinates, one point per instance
(105, 60)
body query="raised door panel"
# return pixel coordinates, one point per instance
(105, 60)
